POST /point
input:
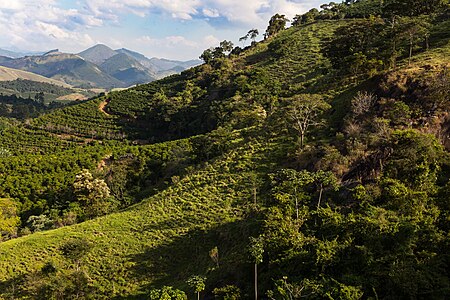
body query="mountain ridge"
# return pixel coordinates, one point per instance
(97, 67)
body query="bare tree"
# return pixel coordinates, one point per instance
(362, 103)
(304, 111)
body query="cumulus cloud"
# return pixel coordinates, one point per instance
(169, 47)
(234, 11)
(41, 24)
(36, 24)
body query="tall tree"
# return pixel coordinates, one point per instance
(276, 24)
(207, 55)
(253, 33)
(226, 46)
(197, 283)
(93, 194)
(305, 110)
(256, 250)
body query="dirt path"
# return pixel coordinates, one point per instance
(102, 106)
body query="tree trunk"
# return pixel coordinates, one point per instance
(198, 295)
(394, 55)
(394, 46)
(320, 196)
(302, 136)
(410, 49)
(256, 281)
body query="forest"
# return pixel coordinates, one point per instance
(312, 164)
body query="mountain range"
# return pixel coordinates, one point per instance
(96, 67)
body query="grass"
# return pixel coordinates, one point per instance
(166, 238)
(163, 240)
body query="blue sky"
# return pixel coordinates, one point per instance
(174, 29)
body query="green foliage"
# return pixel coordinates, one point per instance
(167, 293)
(256, 249)
(229, 292)
(197, 283)
(75, 249)
(276, 24)
(9, 221)
(362, 211)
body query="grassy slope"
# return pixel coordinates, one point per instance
(163, 240)
(166, 238)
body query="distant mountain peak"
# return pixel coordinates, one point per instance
(97, 54)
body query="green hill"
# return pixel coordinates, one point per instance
(318, 156)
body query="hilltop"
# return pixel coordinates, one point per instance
(317, 157)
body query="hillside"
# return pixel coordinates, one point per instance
(8, 74)
(317, 158)
(127, 69)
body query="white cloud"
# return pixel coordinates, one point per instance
(234, 11)
(210, 41)
(41, 24)
(11, 4)
(44, 24)
(212, 13)
(168, 42)
(176, 47)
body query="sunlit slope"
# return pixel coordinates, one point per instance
(163, 240)
(7, 74)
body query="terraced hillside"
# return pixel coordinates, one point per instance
(324, 171)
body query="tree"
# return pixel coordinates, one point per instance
(304, 111)
(167, 293)
(362, 103)
(8, 218)
(322, 180)
(412, 7)
(276, 24)
(75, 250)
(253, 33)
(197, 283)
(256, 251)
(92, 194)
(414, 29)
(306, 18)
(39, 97)
(243, 39)
(226, 46)
(207, 55)
(289, 185)
(214, 254)
(229, 292)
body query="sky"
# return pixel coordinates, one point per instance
(172, 29)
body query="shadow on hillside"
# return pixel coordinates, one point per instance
(258, 58)
(173, 263)
(10, 289)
